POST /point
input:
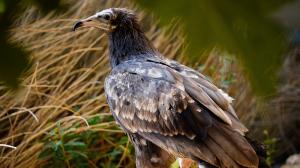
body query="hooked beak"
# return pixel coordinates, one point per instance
(93, 21)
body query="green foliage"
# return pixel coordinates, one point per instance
(270, 143)
(243, 28)
(65, 148)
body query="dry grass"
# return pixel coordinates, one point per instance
(62, 95)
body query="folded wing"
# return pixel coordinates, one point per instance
(178, 110)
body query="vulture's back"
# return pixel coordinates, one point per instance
(177, 109)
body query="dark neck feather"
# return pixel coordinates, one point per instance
(128, 42)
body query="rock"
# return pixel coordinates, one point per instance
(292, 161)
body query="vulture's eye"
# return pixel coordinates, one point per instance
(106, 17)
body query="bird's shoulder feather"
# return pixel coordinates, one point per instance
(143, 93)
(205, 92)
(146, 97)
(171, 106)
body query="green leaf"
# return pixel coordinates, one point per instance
(57, 145)
(115, 153)
(45, 153)
(94, 120)
(74, 144)
(78, 153)
(123, 140)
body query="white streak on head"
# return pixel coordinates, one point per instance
(105, 11)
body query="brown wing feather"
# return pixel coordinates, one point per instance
(201, 89)
(175, 112)
(233, 144)
(149, 155)
(144, 105)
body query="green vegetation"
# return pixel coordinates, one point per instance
(68, 148)
(270, 143)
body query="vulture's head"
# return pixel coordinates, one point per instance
(110, 20)
(126, 39)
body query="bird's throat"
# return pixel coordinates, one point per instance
(128, 43)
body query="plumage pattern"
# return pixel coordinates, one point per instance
(165, 107)
(179, 110)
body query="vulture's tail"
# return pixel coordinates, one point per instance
(231, 149)
(241, 151)
(260, 150)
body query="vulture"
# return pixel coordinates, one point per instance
(166, 108)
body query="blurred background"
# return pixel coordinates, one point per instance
(53, 111)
